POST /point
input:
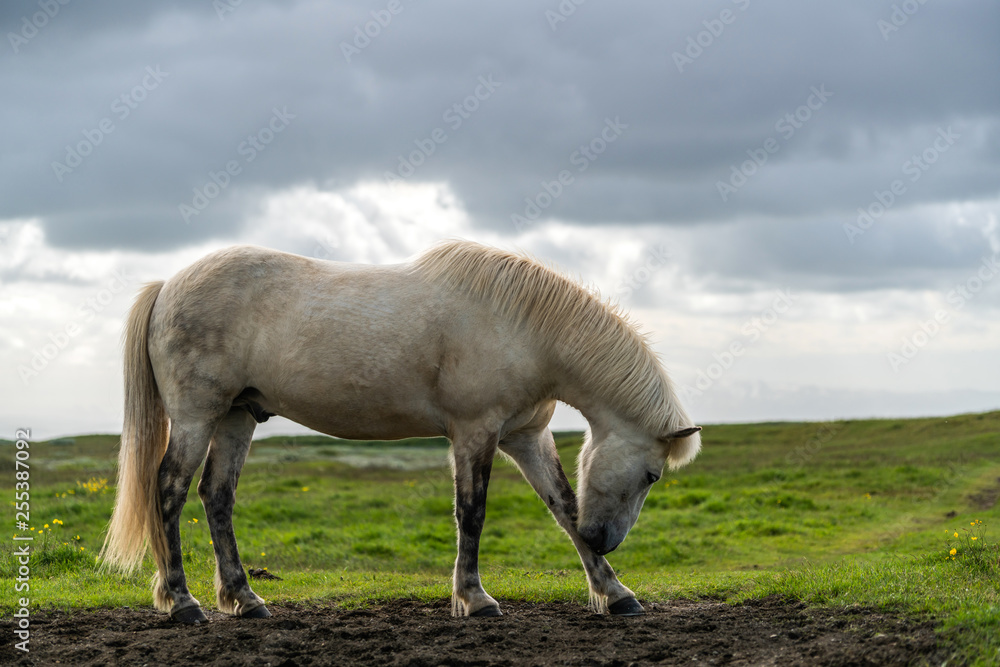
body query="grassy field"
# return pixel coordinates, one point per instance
(896, 514)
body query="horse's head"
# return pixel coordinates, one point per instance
(617, 469)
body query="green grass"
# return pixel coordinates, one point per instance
(844, 513)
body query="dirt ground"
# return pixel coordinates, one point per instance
(768, 632)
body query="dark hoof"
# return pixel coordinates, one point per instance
(189, 615)
(487, 612)
(257, 612)
(626, 607)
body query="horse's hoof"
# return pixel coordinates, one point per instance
(189, 615)
(626, 607)
(257, 612)
(487, 612)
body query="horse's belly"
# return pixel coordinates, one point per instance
(368, 425)
(373, 411)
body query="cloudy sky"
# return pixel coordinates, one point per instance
(798, 201)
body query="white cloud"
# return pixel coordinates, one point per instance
(368, 222)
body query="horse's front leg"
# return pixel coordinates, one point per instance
(473, 461)
(536, 455)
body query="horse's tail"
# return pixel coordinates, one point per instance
(137, 518)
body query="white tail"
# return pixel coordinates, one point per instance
(137, 518)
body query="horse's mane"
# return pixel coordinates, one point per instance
(595, 338)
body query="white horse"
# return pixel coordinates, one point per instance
(468, 342)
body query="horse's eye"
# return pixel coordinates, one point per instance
(652, 478)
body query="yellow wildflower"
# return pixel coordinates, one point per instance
(953, 552)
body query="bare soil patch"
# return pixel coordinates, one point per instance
(987, 498)
(766, 632)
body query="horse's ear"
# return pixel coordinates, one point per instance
(683, 433)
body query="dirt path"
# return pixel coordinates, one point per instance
(769, 632)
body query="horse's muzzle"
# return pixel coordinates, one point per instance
(599, 538)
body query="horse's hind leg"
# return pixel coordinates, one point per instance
(536, 455)
(217, 490)
(184, 454)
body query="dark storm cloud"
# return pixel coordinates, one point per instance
(867, 101)
(918, 252)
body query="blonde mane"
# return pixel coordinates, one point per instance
(611, 357)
